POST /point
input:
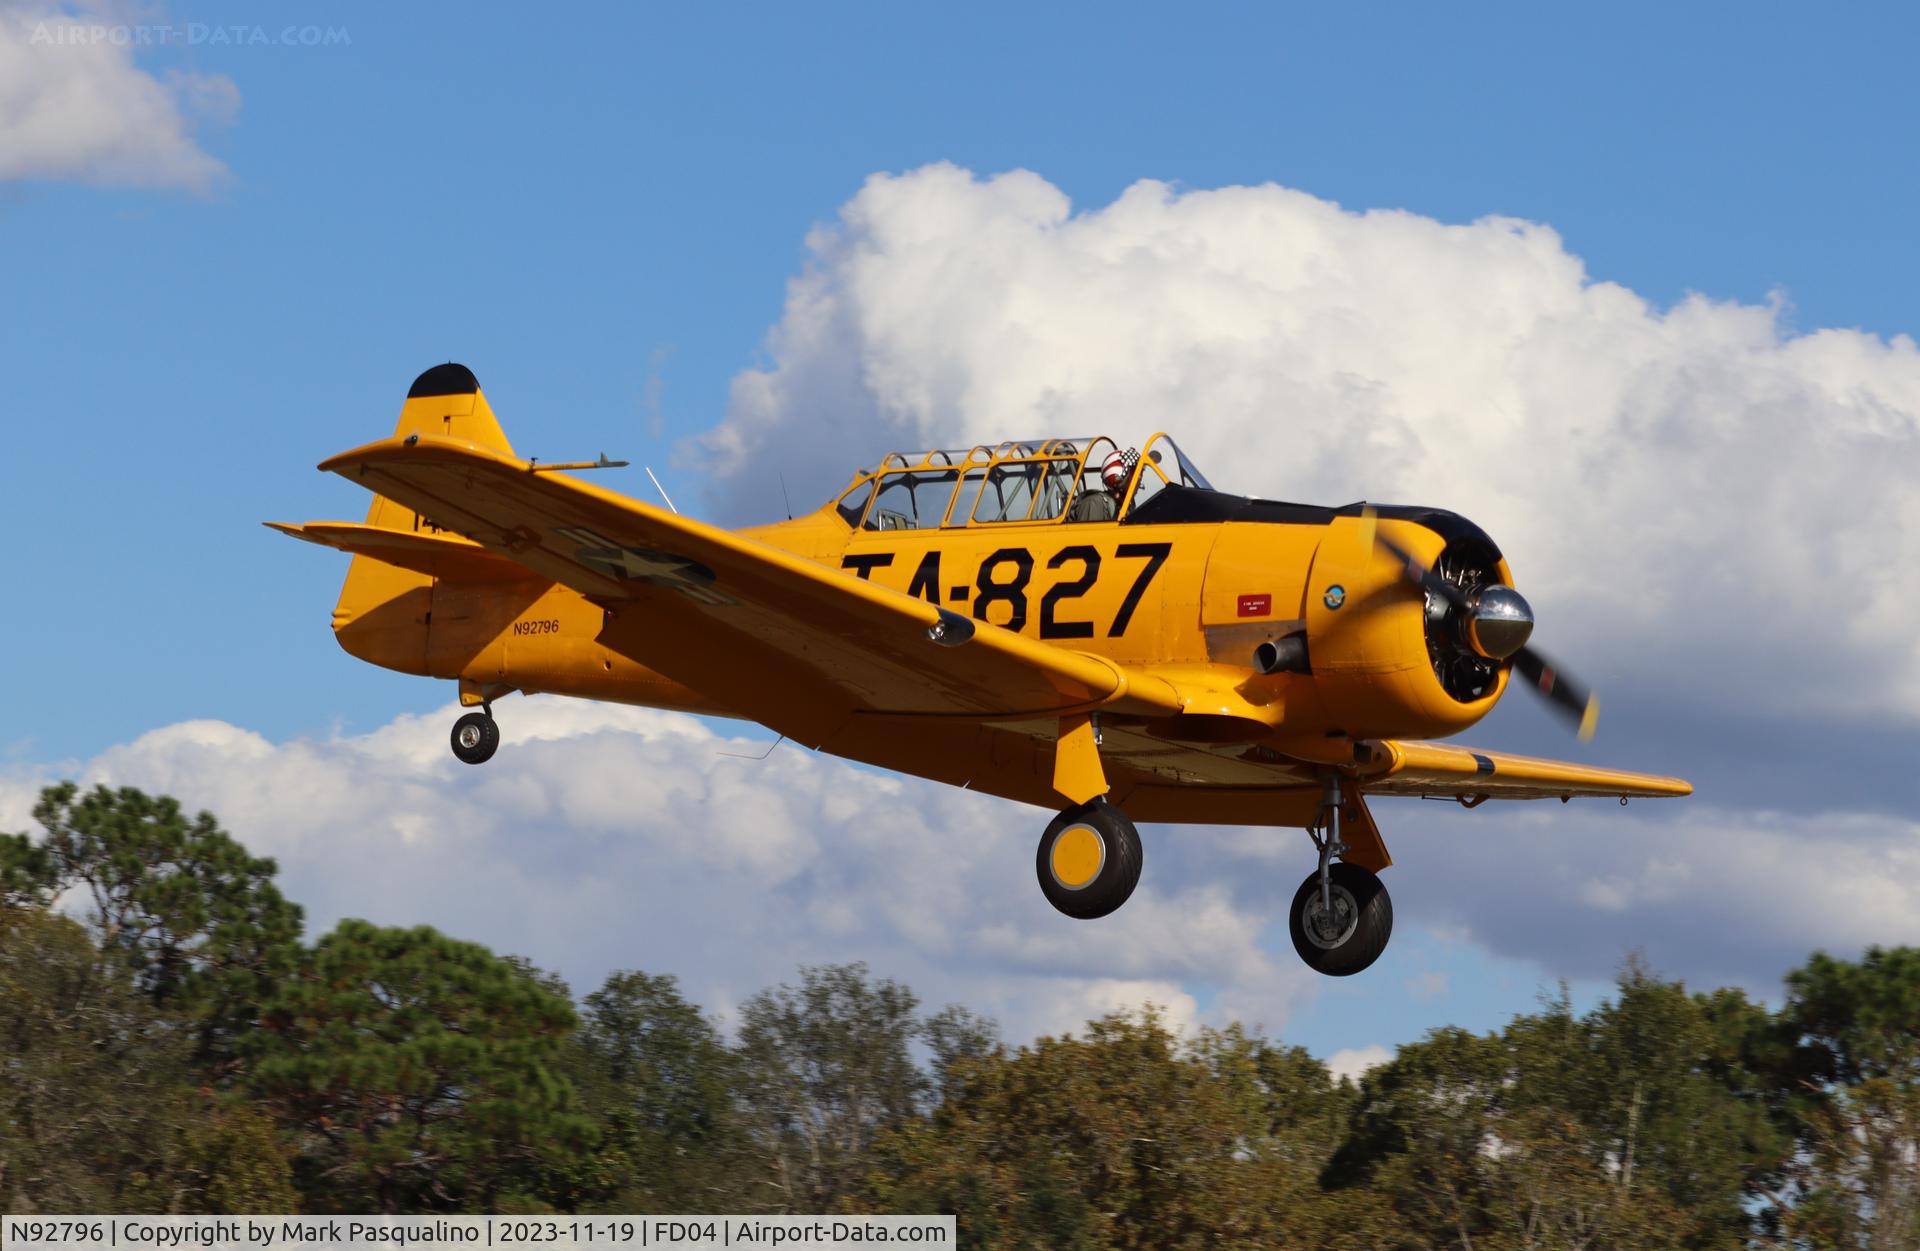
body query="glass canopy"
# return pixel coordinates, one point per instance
(1031, 482)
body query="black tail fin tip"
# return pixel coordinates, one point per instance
(447, 379)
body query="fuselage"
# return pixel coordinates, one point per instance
(1194, 584)
(1290, 641)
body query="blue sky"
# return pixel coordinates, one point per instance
(601, 215)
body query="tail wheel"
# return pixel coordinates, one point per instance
(476, 737)
(1089, 860)
(1349, 936)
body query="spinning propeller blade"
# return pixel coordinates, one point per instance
(1426, 579)
(1561, 692)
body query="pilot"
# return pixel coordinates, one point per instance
(1105, 505)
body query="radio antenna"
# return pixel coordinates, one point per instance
(741, 755)
(663, 491)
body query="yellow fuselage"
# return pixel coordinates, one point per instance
(1188, 601)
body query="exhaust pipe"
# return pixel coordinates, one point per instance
(1287, 655)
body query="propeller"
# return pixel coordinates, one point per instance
(1561, 692)
(1495, 622)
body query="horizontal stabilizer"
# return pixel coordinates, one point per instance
(436, 555)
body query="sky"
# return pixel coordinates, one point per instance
(1634, 287)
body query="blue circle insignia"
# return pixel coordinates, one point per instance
(1336, 595)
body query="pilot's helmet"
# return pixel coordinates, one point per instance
(1114, 471)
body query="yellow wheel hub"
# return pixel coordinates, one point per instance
(1077, 855)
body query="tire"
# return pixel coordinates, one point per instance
(1367, 910)
(1089, 877)
(475, 738)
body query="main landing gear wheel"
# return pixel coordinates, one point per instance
(1089, 860)
(1348, 936)
(476, 737)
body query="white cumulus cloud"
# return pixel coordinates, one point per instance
(74, 105)
(1710, 893)
(1353, 1063)
(1698, 495)
(604, 837)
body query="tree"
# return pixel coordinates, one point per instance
(1113, 1140)
(417, 1072)
(1294, 1115)
(27, 876)
(1658, 1082)
(1302, 1109)
(1643, 1123)
(955, 1037)
(98, 1109)
(1649, 1121)
(660, 1079)
(1547, 1192)
(196, 919)
(825, 1067)
(1856, 1028)
(1424, 1136)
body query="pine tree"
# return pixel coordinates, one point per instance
(195, 918)
(417, 1072)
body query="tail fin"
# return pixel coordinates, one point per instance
(384, 610)
(445, 400)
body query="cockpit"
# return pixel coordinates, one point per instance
(1043, 482)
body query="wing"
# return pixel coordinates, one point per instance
(1400, 768)
(777, 637)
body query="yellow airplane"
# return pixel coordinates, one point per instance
(1062, 622)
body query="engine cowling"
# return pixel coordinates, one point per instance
(1389, 660)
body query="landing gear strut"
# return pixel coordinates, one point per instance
(1341, 916)
(476, 736)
